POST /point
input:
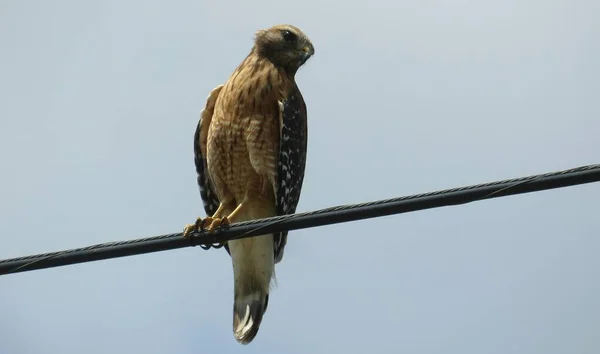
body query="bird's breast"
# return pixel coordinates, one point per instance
(243, 138)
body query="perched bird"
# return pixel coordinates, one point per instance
(250, 154)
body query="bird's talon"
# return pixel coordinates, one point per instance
(188, 229)
(199, 225)
(224, 222)
(218, 223)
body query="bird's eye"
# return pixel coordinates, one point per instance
(288, 36)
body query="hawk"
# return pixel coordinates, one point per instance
(250, 154)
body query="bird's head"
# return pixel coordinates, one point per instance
(285, 46)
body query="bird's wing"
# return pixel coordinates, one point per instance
(207, 191)
(292, 160)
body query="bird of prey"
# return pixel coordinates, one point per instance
(250, 155)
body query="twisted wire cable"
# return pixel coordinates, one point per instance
(332, 215)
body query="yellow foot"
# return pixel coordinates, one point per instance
(216, 223)
(198, 226)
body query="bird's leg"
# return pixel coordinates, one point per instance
(243, 205)
(204, 224)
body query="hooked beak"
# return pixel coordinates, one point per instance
(305, 53)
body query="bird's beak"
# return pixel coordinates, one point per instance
(305, 53)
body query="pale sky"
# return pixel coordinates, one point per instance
(98, 106)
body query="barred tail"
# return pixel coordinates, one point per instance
(248, 312)
(253, 264)
(253, 270)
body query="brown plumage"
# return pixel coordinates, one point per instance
(250, 153)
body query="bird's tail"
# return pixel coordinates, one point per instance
(253, 270)
(248, 312)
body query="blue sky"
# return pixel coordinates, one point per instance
(98, 106)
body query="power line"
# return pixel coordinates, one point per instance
(333, 215)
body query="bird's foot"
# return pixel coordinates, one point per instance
(199, 225)
(217, 223)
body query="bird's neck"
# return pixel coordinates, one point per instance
(262, 56)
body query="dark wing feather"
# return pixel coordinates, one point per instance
(292, 160)
(207, 192)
